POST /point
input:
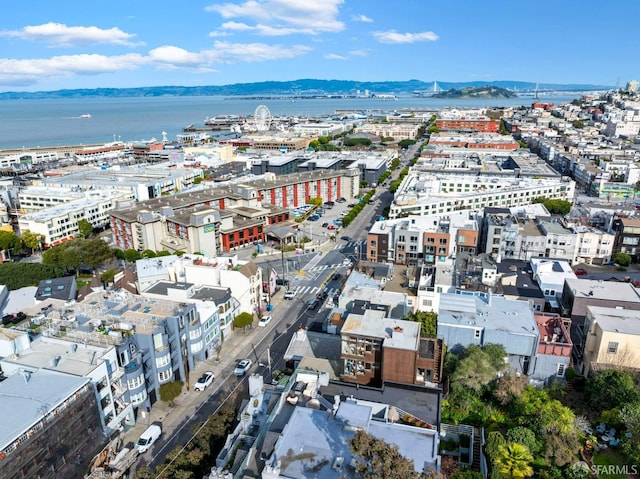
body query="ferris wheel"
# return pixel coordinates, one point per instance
(262, 118)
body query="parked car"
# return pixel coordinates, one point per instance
(282, 282)
(331, 227)
(580, 271)
(289, 295)
(264, 320)
(351, 205)
(147, 438)
(324, 225)
(242, 367)
(314, 218)
(341, 200)
(313, 304)
(204, 381)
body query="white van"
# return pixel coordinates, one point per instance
(148, 438)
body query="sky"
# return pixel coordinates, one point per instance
(66, 44)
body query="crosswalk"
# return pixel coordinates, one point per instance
(312, 290)
(350, 244)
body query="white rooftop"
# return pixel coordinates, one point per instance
(29, 397)
(625, 321)
(397, 333)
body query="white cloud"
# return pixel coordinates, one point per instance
(225, 52)
(237, 26)
(60, 35)
(285, 17)
(360, 53)
(392, 36)
(333, 56)
(260, 29)
(168, 57)
(217, 34)
(361, 18)
(175, 56)
(29, 72)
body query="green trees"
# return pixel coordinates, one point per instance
(84, 228)
(170, 391)
(195, 458)
(243, 320)
(406, 143)
(611, 388)
(9, 242)
(380, 460)
(622, 259)
(428, 322)
(477, 368)
(18, 275)
(31, 240)
(357, 142)
(514, 461)
(560, 207)
(71, 254)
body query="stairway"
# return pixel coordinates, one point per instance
(477, 449)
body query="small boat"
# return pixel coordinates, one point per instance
(85, 116)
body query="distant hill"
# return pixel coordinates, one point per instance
(296, 87)
(488, 91)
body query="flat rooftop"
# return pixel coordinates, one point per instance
(396, 333)
(617, 320)
(598, 289)
(29, 397)
(61, 356)
(495, 313)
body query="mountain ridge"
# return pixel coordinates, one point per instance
(297, 87)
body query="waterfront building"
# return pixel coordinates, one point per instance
(60, 223)
(466, 120)
(144, 182)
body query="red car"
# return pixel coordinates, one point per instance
(580, 271)
(331, 227)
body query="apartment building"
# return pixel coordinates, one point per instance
(465, 319)
(423, 194)
(60, 223)
(466, 120)
(51, 417)
(156, 341)
(627, 239)
(144, 182)
(610, 341)
(422, 239)
(375, 349)
(95, 362)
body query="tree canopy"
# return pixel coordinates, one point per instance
(380, 460)
(428, 322)
(610, 388)
(84, 227)
(477, 367)
(243, 320)
(560, 207)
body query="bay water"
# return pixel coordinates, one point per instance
(51, 122)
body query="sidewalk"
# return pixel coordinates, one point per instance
(238, 345)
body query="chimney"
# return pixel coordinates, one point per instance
(489, 296)
(26, 375)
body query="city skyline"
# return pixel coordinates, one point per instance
(70, 45)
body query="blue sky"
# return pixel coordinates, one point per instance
(58, 44)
